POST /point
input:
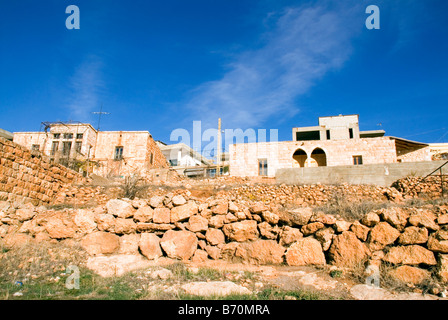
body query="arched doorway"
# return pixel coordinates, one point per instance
(318, 158)
(299, 157)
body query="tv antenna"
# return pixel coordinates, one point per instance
(99, 113)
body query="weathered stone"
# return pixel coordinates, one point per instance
(221, 208)
(178, 200)
(100, 243)
(382, 235)
(230, 218)
(397, 217)
(213, 251)
(241, 231)
(438, 241)
(156, 201)
(120, 208)
(152, 227)
(129, 244)
(85, 221)
(360, 230)
(217, 221)
(370, 219)
(183, 212)
(442, 267)
(412, 254)
(306, 251)
(197, 223)
(347, 250)
(268, 231)
(289, 235)
(214, 236)
(270, 217)
(312, 228)
(413, 235)
(161, 215)
(327, 219)
(59, 225)
(325, 236)
(25, 214)
(258, 208)
(116, 265)
(124, 226)
(12, 240)
(424, 218)
(200, 256)
(261, 252)
(300, 216)
(179, 244)
(408, 274)
(105, 222)
(149, 245)
(341, 226)
(233, 208)
(144, 214)
(442, 219)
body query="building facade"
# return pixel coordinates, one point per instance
(337, 141)
(106, 153)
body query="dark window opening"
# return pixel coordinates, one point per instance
(35, 147)
(56, 135)
(78, 146)
(328, 134)
(79, 136)
(66, 147)
(350, 132)
(307, 135)
(118, 153)
(263, 167)
(173, 162)
(54, 147)
(68, 136)
(357, 160)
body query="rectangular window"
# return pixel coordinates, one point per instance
(56, 135)
(54, 147)
(173, 162)
(78, 145)
(263, 167)
(118, 153)
(350, 132)
(328, 135)
(151, 158)
(357, 160)
(79, 136)
(68, 136)
(35, 147)
(66, 147)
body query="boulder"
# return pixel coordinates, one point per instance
(100, 243)
(124, 226)
(149, 246)
(413, 235)
(360, 230)
(214, 288)
(341, 226)
(424, 218)
(200, 256)
(312, 228)
(370, 219)
(438, 241)
(144, 214)
(267, 231)
(85, 221)
(258, 208)
(241, 231)
(412, 254)
(289, 235)
(25, 214)
(347, 250)
(221, 208)
(217, 221)
(214, 236)
(261, 252)
(183, 212)
(396, 217)
(408, 274)
(213, 251)
(129, 244)
(306, 251)
(59, 225)
(161, 215)
(442, 267)
(120, 208)
(270, 217)
(325, 237)
(300, 216)
(197, 223)
(153, 227)
(105, 222)
(156, 201)
(178, 200)
(179, 244)
(382, 235)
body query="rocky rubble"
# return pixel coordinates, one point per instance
(180, 226)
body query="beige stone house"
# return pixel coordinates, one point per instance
(336, 141)
(106, 153)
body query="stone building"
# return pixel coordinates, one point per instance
(106, 153)
(336, 141)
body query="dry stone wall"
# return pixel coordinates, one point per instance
(28, 176)
(180, 226)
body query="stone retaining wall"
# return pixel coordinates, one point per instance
(28, 176)
(412, 240)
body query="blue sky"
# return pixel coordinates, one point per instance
(160, 65)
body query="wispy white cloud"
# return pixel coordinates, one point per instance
(86, 86)
(302, 46)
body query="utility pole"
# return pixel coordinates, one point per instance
(218, 148)
(99, 116)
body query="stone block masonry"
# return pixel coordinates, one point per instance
(29, 176)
